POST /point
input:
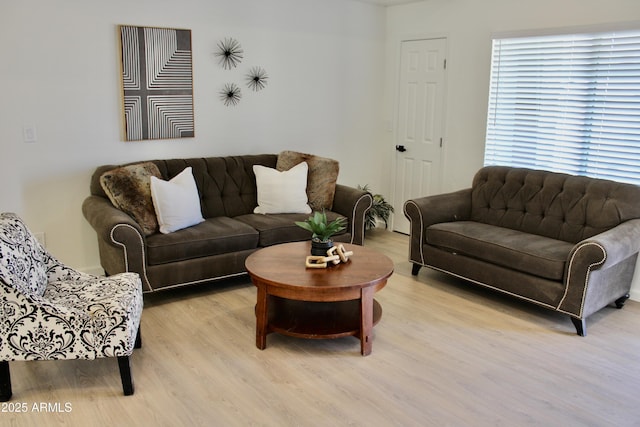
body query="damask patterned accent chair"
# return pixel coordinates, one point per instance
(50, 311)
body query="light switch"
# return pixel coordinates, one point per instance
(29, 134)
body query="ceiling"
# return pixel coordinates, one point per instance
(389, 2)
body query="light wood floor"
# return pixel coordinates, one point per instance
(445, 353)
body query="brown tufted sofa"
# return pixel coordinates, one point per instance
(568, 243)
(217, 247)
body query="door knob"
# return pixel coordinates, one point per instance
(401, 148)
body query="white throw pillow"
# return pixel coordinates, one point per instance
(282, 192)
(176, 202)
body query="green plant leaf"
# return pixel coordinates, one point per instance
(380, 209)
(320, 229)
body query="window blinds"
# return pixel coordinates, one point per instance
(567, 103)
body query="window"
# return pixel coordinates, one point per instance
(567, 103)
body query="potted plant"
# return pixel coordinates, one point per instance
(321, 230)
(381, 209)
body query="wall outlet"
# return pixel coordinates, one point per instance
(40, 237)
(29, 134)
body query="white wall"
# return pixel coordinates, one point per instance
(60, 73)
(468, 26)
(332, 68)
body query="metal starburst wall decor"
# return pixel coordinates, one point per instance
(230, 94)
(257, 78)
(230, 53)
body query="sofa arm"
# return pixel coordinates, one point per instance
(103, 216)
(120, 238)
(425, 211)
(620, 242)
(600, 269)
(353, 204)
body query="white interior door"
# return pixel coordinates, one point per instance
(420, 124)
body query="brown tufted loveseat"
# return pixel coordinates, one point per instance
(568, 243)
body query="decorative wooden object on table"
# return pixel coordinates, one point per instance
(317, 303)
(335, 255)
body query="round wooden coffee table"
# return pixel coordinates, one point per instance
(317, 303)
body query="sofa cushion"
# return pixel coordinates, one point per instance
(176, 202)
(212, 237)
(322, 176)
(281, 191)
(559, 206)
(227, 185)
(529, 253)
(280, 228)
(129, 189)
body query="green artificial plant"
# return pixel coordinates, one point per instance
(321, 229)
(381, 209)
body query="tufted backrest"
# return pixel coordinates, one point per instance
(556, 205)
(23, 260)
(227, 185)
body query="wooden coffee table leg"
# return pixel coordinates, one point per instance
(366, 320)
(261, 317)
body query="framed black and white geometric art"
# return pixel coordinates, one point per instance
(157, 81)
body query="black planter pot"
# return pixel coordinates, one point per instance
(319, 248)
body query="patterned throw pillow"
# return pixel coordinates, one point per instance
(322, 176)
(129, 189)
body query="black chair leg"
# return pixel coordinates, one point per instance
(5, 382)
(138, 343)
(125, 375)
(620, 301)
(581, 326)
(415, 269)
